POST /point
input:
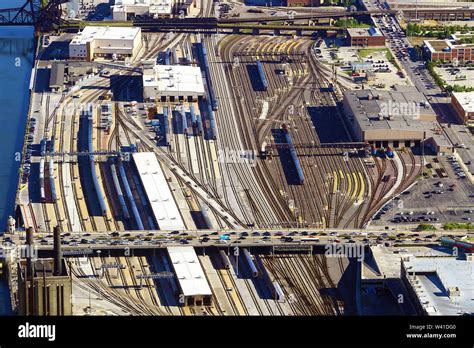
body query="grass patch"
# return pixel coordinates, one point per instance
(365, 52)
(418, 40)
(425, 227)
(458, 226)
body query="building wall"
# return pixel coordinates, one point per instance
(53, 299)
(365, 41)
(106, 48)
(462, 115)
(459, 53)
(78, 51)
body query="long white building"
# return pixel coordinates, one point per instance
(126, 9)
(191, 278)
(165, 210)
(105, 42)
(172, 81)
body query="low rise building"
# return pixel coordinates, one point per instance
(116, 43)
(128, 9)
(56, 78)
(172, 82)
(365, 37)
(399, 118)
(458, 47)
(440, 285)
(463, 103)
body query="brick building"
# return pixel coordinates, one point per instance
(449, 49)
(365, 37)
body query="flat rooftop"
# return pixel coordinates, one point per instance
(154, 6)
(466, 100)
(163, 205)
(435, 276)
(189, 272)
(174, 78)
(372, 31)
(447, 45)
(402, 109)
(90, 33)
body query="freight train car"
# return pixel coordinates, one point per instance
(261, 74)
(293, 155)
(251, 263)
(131, 200)
(118, 189)
(452, 243)
(54, 196)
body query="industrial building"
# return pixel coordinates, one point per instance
(173, 82)
(450, 49)
(44, 285)
(440, 285)
(463, 103)
(116, 43)
(56, 78)
(160, 197)
(365, 37)
(191, 278)
(399, 118)
(411, 4)
(124, 10)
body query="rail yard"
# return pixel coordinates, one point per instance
(226, 173)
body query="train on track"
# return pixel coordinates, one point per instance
(131, 200)
(452, 243)
(224, 259)
(261, 74)
(204, 64)
(118, 190)
(250, 260)
(54, 196)
(90, 149)
(166, 127)
(382, 152)
(41, 179)
(293, 155)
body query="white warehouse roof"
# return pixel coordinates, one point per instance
(187, 267)
(466, 100)
(178, 79)
(89, 34)
(159, 195)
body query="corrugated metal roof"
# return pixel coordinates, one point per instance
(187, 267)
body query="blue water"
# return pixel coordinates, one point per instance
(16, 59)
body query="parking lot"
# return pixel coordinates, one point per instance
(460, 75)
(431, 201)
(355, 62)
